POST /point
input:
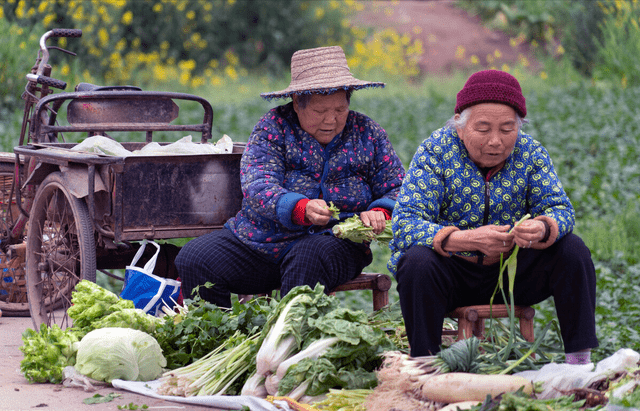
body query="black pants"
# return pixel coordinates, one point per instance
(431, 285)
(220, 258)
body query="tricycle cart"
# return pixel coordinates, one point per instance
(72, 212)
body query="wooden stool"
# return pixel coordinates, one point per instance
(471, 319)
(379, 284)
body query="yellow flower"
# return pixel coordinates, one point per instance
(624, 81)
(231, 72)
(505, 67)
(460, 52)
(319, 13)
(475, 60)
(497, 53)
(127, 17)
(559, 50)
(157, 7)
(543, 75)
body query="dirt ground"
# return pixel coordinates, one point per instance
(442, 29)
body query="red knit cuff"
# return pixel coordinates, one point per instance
(298, 216)
(387, 213)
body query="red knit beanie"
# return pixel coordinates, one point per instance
(492, 86)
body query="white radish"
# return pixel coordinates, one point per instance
(461, 386)
(462, 405)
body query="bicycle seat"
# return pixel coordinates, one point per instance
(94, 87)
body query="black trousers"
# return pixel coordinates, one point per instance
(431, 285)
(220, 258)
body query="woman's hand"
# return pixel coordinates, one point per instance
(317, 212)
(375, 219)
(529, 232)
(490, 240)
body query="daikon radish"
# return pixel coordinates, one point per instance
(462, 405)
(460, 386)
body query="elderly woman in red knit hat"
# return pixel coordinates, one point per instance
(468, 185)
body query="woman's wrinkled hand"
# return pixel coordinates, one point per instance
(490, 240)
(317, 212)
(528, 233)
(493, 240)
(375, 219)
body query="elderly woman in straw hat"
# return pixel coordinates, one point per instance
(300, 157)
(468, 185)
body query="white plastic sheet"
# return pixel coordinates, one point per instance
(224, 402)
(185, 146)
(559, 378)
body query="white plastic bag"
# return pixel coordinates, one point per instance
(102, 145)
(186, 146)
(559, 378)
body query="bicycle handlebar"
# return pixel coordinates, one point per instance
(65, 33)
(38, 77)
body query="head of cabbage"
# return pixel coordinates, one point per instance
(106, 354)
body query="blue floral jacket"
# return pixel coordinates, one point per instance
(444, 191)
(282, 164)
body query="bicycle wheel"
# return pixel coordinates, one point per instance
(60, 251)
(13, 290)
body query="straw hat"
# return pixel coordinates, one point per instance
(320, 70)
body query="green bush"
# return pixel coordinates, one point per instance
(619, 49)
(17, 55)
(180, 40)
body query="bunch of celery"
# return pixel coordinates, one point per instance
(222, 371)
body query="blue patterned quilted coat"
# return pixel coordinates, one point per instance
(283, 164)
(444, 188)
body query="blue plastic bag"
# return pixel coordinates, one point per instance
(148, 291)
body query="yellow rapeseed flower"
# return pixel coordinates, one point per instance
(474, 60)
(48, 19)
(497, 53)
(559, 50)
(127, 17)
(505, 67)
(159, 73)
(191, 15)
(543, 75)
(20, 9)
(319, 13)
(103, 37)
(157, 7)
(231, 72)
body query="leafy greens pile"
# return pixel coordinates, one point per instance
(47, 352)
(307, 346)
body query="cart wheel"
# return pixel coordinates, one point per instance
(60, 251)
(13, 290)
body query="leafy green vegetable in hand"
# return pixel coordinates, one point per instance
(354, 229)
(47, 353)
(91, 302)
(105, 354)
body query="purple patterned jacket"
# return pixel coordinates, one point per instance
(282, 164)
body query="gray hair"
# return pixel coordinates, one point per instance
(304, 98)
(454, 123)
